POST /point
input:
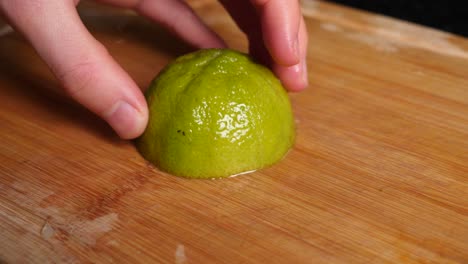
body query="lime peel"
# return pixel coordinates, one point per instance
(216, 113)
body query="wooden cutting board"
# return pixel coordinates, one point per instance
(379, 172)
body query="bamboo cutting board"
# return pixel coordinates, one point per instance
(379, 172)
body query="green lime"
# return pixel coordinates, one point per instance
(216, 113)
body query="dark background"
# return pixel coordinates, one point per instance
(451, 16)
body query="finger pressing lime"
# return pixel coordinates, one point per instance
(216, 113)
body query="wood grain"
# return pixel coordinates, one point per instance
(379, 172)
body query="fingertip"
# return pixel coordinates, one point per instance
(126, 120)
(294, 78)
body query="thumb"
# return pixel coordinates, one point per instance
(84, 67)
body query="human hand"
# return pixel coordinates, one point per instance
(95, 80)
(277, 36)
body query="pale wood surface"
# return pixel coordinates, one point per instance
(379, 172)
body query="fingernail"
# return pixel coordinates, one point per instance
(126, 120)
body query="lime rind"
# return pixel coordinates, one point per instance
(215, 113)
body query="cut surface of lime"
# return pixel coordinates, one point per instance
(216, 113)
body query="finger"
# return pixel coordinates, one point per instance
(295, 77)
(178, 17)
(280, 20)
(248, 21)
(86, 70)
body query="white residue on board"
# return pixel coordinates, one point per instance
(375, 42)
(90, 230)
(331, 27)
(47, 231)
(180, 257)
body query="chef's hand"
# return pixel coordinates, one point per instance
(93, 78)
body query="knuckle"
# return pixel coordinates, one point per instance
(78, 78)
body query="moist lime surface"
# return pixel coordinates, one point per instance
(216, 113)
